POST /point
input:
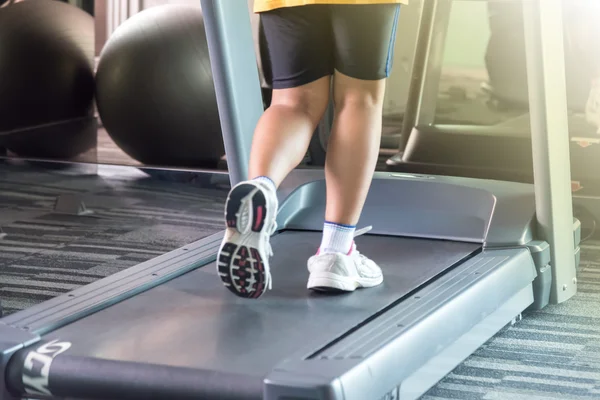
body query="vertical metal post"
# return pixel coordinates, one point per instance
(550, 139)
(236, 79)
(123, 11)
(417, 74)
(135, 6)
(427, 67)
(109, 18)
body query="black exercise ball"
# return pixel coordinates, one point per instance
(154, 89)
(46, 78)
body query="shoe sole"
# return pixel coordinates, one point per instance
(242, 262)
(330, 282)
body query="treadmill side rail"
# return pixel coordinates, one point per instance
(57, 312)
(412, 345)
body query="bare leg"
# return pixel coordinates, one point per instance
(283, 133)
(280, 142)
(364, 37)
(353, 146)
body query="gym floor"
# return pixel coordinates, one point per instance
(135, 218)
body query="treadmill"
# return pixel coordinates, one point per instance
(462, 258)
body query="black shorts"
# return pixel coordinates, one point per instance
(306, 43)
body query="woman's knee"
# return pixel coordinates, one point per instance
(358, 93)
(311, 99)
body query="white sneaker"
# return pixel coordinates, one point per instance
(243, 258)
(345, 272)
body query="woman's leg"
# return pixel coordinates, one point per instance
(364, 37)
(284, 131)
(353, 146)
(300, 45)
(300, 49)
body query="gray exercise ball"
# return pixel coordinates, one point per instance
(46, 79)
(154, 89)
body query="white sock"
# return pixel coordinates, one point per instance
(337, 238)
(267, 181)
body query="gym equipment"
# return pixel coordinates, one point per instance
(155, 92)
(499, 151)
(505, 56)
(462, 258)
(47, 79)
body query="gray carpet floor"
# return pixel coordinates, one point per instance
(550, 354)
(134, 219)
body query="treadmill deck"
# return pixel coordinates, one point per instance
(193, 321)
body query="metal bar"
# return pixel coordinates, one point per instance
(427, 67)
(236, 79)
(476, 130)
(46, 369)
(434, 62)
(413, 103)
(109, 18)
(134, 7)
(550, 139)
(123, 11)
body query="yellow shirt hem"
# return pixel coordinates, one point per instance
(268, 5)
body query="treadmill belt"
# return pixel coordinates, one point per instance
(193, 321)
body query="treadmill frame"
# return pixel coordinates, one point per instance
(548, 120)
(402, 328)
